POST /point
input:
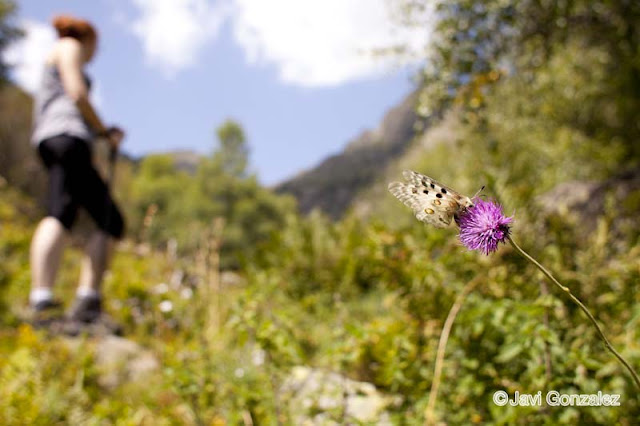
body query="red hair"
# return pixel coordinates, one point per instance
(69, 26)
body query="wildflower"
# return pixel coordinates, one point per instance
(165, 306)
(161, 288)
(186, 293)
(258, 356)
(483, 226)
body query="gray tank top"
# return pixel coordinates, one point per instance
(55, 113)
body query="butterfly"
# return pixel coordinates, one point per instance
(431, 201)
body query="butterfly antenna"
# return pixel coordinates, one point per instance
(479, 191)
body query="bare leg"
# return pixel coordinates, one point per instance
(88, 305)
(47, 246)
(94, 263)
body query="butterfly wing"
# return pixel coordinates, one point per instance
(430, 201)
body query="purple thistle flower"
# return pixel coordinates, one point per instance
(483, 226)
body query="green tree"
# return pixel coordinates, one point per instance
(476, 43)
(8, 33)
(158, 192)
(251, 213)
(17, 163)
(186, 204)
(232, 155)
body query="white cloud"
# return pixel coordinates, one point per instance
(321, 42)
(29, 54)
(310, 42)
(174, 32)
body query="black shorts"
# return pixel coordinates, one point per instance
(74, 183)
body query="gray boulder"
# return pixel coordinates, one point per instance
(318, 397)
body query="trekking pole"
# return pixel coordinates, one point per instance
(111, 171)
(113, 156)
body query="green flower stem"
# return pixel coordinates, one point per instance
(581, 305)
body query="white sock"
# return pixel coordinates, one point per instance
(40, 294)
(84, 292)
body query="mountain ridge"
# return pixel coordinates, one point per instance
(333, 184)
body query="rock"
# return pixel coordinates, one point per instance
(122, 359)
(575, 196)
(318, 397)
(585, 202)
(117, 359)
(231, 279)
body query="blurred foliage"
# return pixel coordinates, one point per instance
(368, 298)
(478, 42)
(9, 33)
(19, 163)
(232, 155)
(167, 203)
(362, 299)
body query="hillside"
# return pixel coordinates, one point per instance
(333, 184)
(19, 164)
(185, 160)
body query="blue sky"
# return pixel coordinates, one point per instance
(294, 73)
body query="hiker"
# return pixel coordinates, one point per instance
(65, 127)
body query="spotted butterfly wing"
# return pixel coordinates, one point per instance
(431, 201)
